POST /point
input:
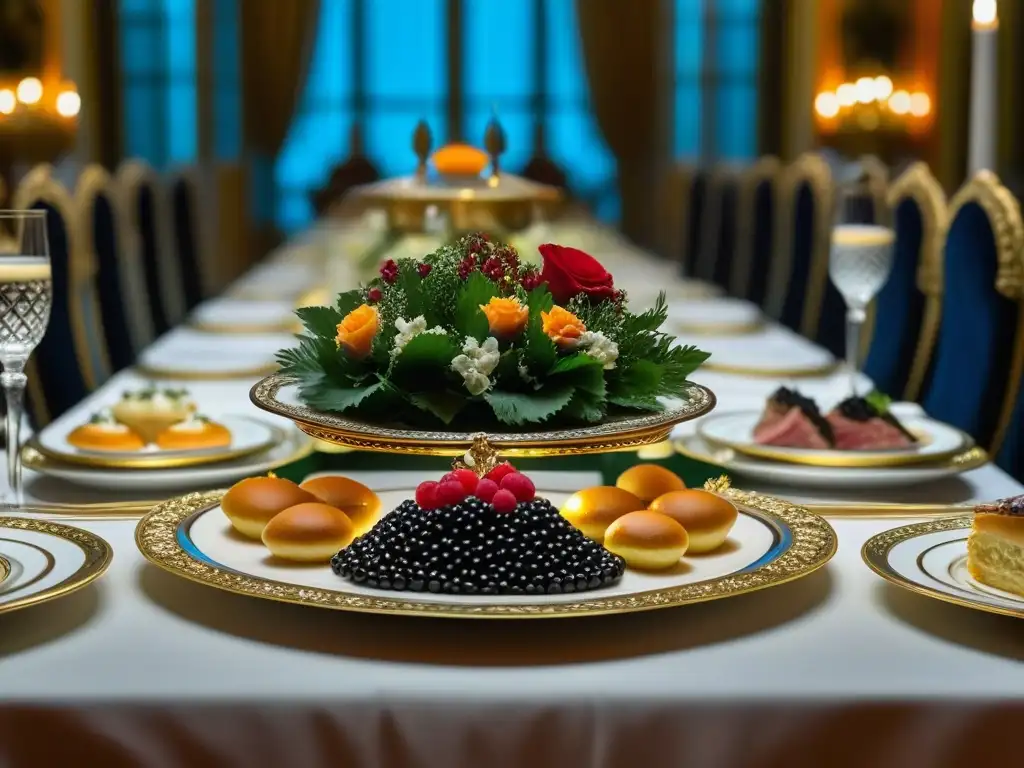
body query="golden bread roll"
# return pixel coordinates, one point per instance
(354, 499)
(708, 518)
(105, 437)
(308, 533)
(649, 481)
(592, 510)
(251, 503)
(647, 540)
(194, 434)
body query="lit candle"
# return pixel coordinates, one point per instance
(983, 86)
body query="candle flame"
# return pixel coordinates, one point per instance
(985, 14)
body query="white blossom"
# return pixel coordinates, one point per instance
(476, 363)
(600, 347)
(410, 329)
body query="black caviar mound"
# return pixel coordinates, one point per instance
(469, 548)
(784, 398)
(862, 409)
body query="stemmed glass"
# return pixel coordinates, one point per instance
(26, 293)
(860, 259)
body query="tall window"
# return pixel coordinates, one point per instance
(716, 68)
(386, 62)
(158, 50)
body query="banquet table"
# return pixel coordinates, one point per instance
(836, 669)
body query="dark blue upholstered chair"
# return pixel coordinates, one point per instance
(755, 230)
(978, 332)
(184, 215)
(724, 247)
(696, 208)
(908, 307)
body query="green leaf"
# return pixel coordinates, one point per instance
(879, 401)
(425, 353)
(586, 406)
(583, 372)
(636, 402)
(444, 405)
(469, 319)
(348, 301)
(327, 396)
(519, 408)
(540, 299)
(416, 301)
(637, 378)
(539, 351)
(321, 321)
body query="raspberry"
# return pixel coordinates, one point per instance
(504, 501)
(426, 495)
(468, 478)
(450, 492)
(485, 490)
(500, 471)
(520, 485)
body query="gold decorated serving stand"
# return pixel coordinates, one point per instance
(480, 451)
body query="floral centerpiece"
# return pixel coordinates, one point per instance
(470, 337)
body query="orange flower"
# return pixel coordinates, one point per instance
(563, 327)
(505, 317)
(356, 331)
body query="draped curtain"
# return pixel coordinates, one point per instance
(624, 55)
(276, 41)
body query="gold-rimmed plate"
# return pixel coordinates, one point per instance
(278, 394)
(248, 436)
(715, 317)
(186, 354)
(772, 543)
(806, 477)
(237, 316)
(47, 560)
(294, 446)
(769, 352)
(936, 442)
(930, 558)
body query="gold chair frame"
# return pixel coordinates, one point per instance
(83, 305)
(1003, 212)
(764, 169)
(130, 177)
(812, 170)
(93, 182)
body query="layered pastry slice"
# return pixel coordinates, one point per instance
(865, 423)
(793, 421)
(995, 548)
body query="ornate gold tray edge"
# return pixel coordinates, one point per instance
(813, 544)
(596, 439)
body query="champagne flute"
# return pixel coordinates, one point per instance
(26, 292)
(860, 260)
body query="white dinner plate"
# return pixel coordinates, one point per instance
(931, 559)
(294, 447)
(249, 435)
(772, 352)
(191, 355)
(828, 478)
(42, 560)
(936, 441)
(279, 280)
(771, 542)
(226, 315)
(714, 317)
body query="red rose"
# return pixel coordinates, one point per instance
(569, 272)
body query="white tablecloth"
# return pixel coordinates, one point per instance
(837, 669)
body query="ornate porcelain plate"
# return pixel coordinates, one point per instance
(773, 542)
(807, 477)
(938, 441)
(43, 561)
(186, 354)
(715, 317)
(277, 394)
(248, 436)
(773, 352)
(245, 316)
(931, 559)
(293, 446)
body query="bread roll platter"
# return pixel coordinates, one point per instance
(435, 548)
(975, 561)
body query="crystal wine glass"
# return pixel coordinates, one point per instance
(26, 292)
(860, 259)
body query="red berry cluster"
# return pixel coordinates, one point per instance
(374, 295)
(423, 269)
(503, 488)
(530, 279)
(389, 271)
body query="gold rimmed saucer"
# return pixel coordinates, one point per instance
(613, 435)
(289, 326)
(5, 569)
(174, 374)
(812, 372)
(717, 329)
(63, 579)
